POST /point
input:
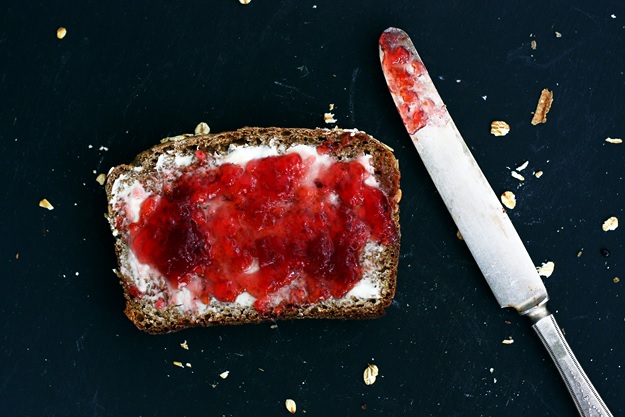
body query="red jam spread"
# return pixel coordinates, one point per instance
(402, 69)
(259, 227)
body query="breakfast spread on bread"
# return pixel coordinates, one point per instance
(255, 225)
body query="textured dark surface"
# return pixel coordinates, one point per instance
(130, 73)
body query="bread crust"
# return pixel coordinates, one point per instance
(342, 144)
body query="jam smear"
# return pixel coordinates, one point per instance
(262, 227)
(402, 69)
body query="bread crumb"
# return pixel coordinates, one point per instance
(614, 140)
(178, 364)
(546, 269)
(579, 253)
(331, 106)
(184, 345)
(517, 176)
(459, 235)
(508, 341)
(188, 365)
(46, 204)
(538, 174)
(522, 166)
(508, 199)
(101, 179)
(616, 280)
(543, 107)
(558, 34)
(290, 405)
(610, 224)
(61, 32)
(499, 128)
(17, 256)
(533, 44)
(202, 129)
(329, 118)
(224, 374)
(245, 1)
(370, 374)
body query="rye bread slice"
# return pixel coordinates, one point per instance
(149, 308)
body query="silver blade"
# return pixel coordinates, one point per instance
(474, 206)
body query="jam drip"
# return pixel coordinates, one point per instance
(263, 228)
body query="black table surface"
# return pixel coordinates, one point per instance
(129, 73)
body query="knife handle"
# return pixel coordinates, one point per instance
(587, 400)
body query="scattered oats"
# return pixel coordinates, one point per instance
(517, 176)
(370, 374)
(499, 128)
(46, 204)
(245, 1)
(543, 107)
(101, 179)
(522, 166)
(224, 374)
(61, 32)
(533, 44)
(184, 345)
(290, 405)
(538, 174)
(459, 235)
(546, 269)
(616, 279)
(508, 199)
(202, 129)
(329, 118)
(178, 364)
(610, 224)
(508, 341)
(558, 35)
(614, 140)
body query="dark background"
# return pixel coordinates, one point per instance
(129, 73)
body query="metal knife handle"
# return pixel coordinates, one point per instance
(587, 400)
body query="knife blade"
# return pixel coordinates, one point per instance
(475, 208)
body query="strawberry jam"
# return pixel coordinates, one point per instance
(261, 227)
(402, 69)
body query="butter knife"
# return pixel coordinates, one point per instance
(476, 210)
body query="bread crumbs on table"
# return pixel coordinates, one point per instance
(329, 118)
(546, 269)
(615, 141)
(245, 1)
(224, 374)
(499, 128)
(610, 224)
(178, 364)
(517, 176)
(508, 341)
(616, 280)
(370, 374)
(508, 199)
(61, 32)
(290, 406)
(538, 174)
(184, 345)
(101, 179)
(46, 204)
(542, 108)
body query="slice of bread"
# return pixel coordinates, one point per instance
(161, 299)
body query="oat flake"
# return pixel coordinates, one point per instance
(370, 374)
